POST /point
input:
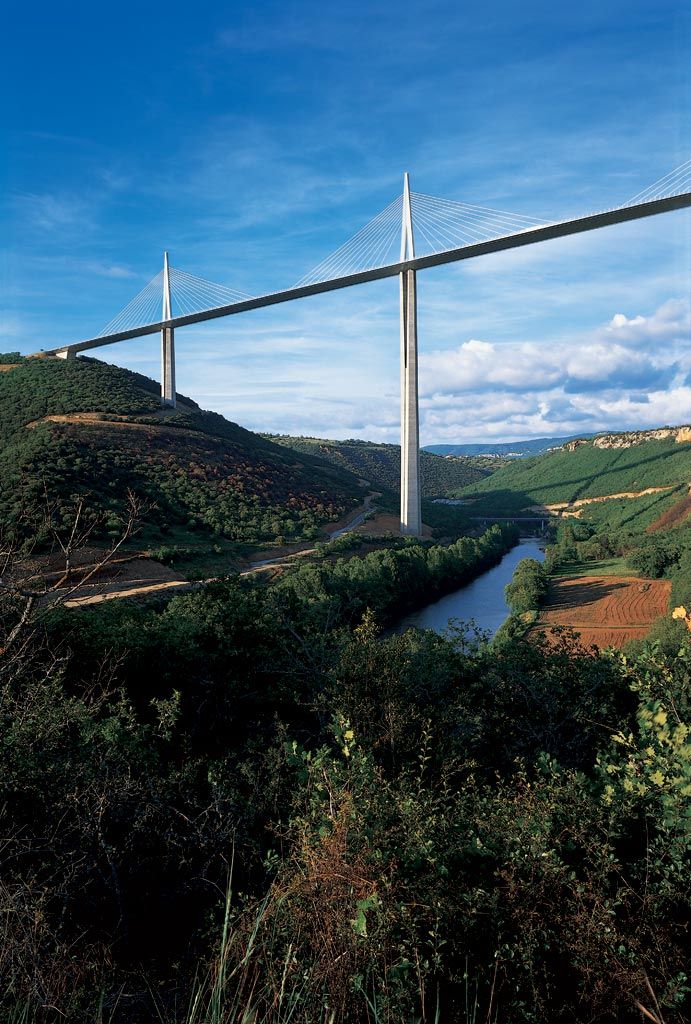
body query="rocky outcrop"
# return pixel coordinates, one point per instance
(682, 435)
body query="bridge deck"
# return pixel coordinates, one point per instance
(466, 252)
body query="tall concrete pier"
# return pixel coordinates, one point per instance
(167, 343)
(411, 514)
(451, 232)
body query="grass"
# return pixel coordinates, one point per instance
(603, 567)
(233, 990)
(589, 471)
(632, 513)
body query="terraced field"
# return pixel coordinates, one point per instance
(607, 611)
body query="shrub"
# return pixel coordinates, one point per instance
(528, 586)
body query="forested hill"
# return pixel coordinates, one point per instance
(381, 464)
(612, 464)
(82, 426)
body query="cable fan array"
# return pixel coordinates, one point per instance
(675, 183)
(188, 294)
(439, 225)
(370, 247)
(445, 224)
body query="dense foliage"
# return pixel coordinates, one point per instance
(395, 580)
(409, 825)
(250, 804)
(197, 472)
(48, 387)
(381, 464)
(528, 586)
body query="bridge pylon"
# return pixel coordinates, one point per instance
(411, 512)
(167, 343)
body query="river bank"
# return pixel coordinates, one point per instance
(480, 601)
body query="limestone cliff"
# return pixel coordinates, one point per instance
(630, 438)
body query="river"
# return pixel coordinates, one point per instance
(482, 600)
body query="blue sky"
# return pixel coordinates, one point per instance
(252, 139)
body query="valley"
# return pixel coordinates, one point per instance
(220, 662)
(216, 499)
(621, 537)
(345, 513)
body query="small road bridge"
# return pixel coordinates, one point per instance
(413, 233)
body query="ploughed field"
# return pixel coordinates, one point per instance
(607, 611)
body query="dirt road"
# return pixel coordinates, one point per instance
(146, 578)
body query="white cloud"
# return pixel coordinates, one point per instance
(671, 407)
(671, 322)
(626, 373)
(49, 212)
(605, 353)
(481, 365)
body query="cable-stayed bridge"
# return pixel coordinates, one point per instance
(412, 233)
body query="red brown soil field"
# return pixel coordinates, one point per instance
(607, 611)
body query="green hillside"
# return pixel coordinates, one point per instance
(412, 821)
(81, 426)
(644, 531)
(596, 468)
(381, 464)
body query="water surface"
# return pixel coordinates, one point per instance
(482, 600)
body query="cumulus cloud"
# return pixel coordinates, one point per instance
(482, 365)
(330, 369)
(527, 367)
(632, 371)
(671, 322)
(660, 408)
(598, 367)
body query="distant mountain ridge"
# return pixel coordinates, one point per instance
(381, 463)
(507, 449)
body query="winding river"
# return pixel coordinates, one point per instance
(482, 600)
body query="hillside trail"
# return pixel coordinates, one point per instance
(564, 508)
(96, 419)
(141, 580)
(274, 559)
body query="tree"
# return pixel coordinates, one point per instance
(33, 582)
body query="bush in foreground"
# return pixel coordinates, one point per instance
(408, 824)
